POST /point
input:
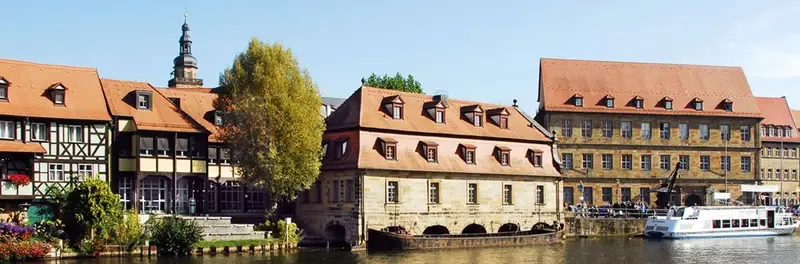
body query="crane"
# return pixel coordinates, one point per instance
(664, 195)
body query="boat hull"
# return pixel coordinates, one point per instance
(720, 234)
(379, 240)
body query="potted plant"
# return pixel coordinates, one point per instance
(19, 179)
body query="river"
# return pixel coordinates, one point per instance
(600, 251)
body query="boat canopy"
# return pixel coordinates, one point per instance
(759, 188)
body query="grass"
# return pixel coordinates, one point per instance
(233, 243)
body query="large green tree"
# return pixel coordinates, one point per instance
(91, 208)
(272, 122)
(397, 82)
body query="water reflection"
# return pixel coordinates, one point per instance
(601, 251)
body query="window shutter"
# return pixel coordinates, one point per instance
(182, 144)
(146, 143)
(163, 144)
(225, 154)
(212, 153)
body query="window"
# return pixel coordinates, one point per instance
(56, 172)
(85, 171)
(644, 195)
(392, 192)
(537, 159)
(794, 175)
(705, 163)
(725, 132)
(431, 154)
(335, 193)
(771, 131)
(780, 132)
(626, 128)
(225, 156)
(608, 128)
(668, 104)
(477, 120)
(503, 156)
(507, 194)
(664, 161)
(566, 158)
(197, 151)
(181, 147)
(212, 155)
(389, 152)
(143, 100)
(639, 103)
(146, 146)
(469, 156)
(38, 131)
(586, 129)
(786, 174)
(578, 101)
(587, 161)
(778, 174)
(698, 105)
(647, 162)
(3, 90)
(7, 129)
(126, 192)
(704, 133)
(351, 191)
(761, 174)
(397, 112)
(218, 120)
(793, 151)
(58, 97)
(769, 152)
(788, 132)
(785, 153)
(627, 162)
(626, 193)
(745, 133)
(683, 130)
(763, 131)
(725, 163)
(503, 122)
(769, 174)
(433, 192)
(608, 161)
(539, 194)
(683, 162)
(664, 131)
(566, 128)
(588, 195)
(342, 150)
(472, 193)
(610, 102)
(569, 195)
(608, 193)
(745, 164)
(728, 107)
(232, 196)
(439, 116)
(163, 148)
(646, 132)
(75, 134)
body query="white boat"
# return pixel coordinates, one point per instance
(721, 221)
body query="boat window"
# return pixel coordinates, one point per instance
(735, 223)
(763, 222)
(745, 222)
(716, 224)
(679, 213)
(726, 223)
(753, 222)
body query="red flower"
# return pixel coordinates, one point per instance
(19, 179)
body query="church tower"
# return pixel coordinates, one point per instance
(184, 74)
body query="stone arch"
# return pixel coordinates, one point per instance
(336, 233)
(474, 229)
(508, 227)
(436, 230)
(693, 200)
(540, 226)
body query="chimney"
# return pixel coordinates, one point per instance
(440, 98)
(515, 103)
(176, 101)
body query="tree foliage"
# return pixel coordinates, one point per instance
(272, 122)
(91, 206)
(175, 236)
(397, 82)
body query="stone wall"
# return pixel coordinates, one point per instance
(596, 227)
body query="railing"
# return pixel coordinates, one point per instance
(608, 212)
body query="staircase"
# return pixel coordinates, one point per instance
(220, 228)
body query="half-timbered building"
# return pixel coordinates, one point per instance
(53, 130)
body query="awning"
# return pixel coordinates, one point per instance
(759, 188)
(19, 147)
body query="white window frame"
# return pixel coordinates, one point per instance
(126, 192)
(683, 131)
(647, 130)
(75, 133)
(143, 101)
(472, 193)
(746, 166)
(56, 172)
(434, 193)
(647, 162)
(39, 131)
(539, 194)
(8, 129)
(85, 171)
(508, 194)
(608, 128)
(392, 192)
(626, 129)
(566, 128)
(567, 159)
(439, 116)
(397, 112)
(705, 132)
(607, 161)
(725, 132)
(705, 165)
(627, 162)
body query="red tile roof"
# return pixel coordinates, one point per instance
(561, 79)
(197, 103)
(776, 112)
(164, 116)
(19, 147)
(29, 83)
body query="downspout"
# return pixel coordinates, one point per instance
(175, 173)
(363, 172)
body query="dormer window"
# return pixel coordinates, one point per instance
(57, 94)
(638, 102)
(394, 106)
(430, 151)
(341, 149)
(698, 104)
(439, 116)
(667, 103)
(727, 104)
(473, 114)
(176, 101)
(436, 109)
(609, 101)
(535, 157)
(3, 90)
(324, 149)
(468, 153)
(503, 155)
(218, 120)
(577, 99)
(388, 148)
(144, 100)
(499, 116)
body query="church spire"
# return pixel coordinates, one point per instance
(185, 65)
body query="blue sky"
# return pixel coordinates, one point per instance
(476, 50)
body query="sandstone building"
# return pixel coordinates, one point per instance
(429, 165)
(623, 126)
(779, 146)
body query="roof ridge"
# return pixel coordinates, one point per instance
(57, 66)
(390, 92)
(640, 62)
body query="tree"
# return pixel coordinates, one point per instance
(91, 208)
(272, 122)
(397, 82)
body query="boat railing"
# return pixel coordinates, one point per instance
(608, 212)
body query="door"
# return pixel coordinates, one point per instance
(771, 218)
(183, 196)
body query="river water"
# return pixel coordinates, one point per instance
(601, 251)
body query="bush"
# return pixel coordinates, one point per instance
(13, 232)
(91, 207)
(91, 247)
(175, 236)
(48, 230)
(23, 250)
(266, 226)
(280, 232)
(128, 233)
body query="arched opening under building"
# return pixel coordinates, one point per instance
(508, 227)
(474, 229)
(336, 233)
(541, 226)
(436, 230)
(694, 200)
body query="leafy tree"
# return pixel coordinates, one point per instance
(397, 82)
(175, 236)
(272, 122)
(91, 208)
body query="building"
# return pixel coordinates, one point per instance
(623, 126)
(53, 129)
(429, 165)
(779, 146)
(329, 104)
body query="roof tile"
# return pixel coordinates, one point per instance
(164, 116)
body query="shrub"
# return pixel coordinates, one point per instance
(91, 207)
(48, 230)
(280, 232)
(91, 247)
(175, 236)
(14, 232)
(266, 226)
(23, 250)
(128, 233)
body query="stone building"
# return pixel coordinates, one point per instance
(779, 146)
(429, 165)
(623, 126)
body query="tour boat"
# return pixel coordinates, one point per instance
(721, 221)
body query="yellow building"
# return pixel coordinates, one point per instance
(779, 159)
(622, 128)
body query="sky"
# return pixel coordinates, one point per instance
(485, 51)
